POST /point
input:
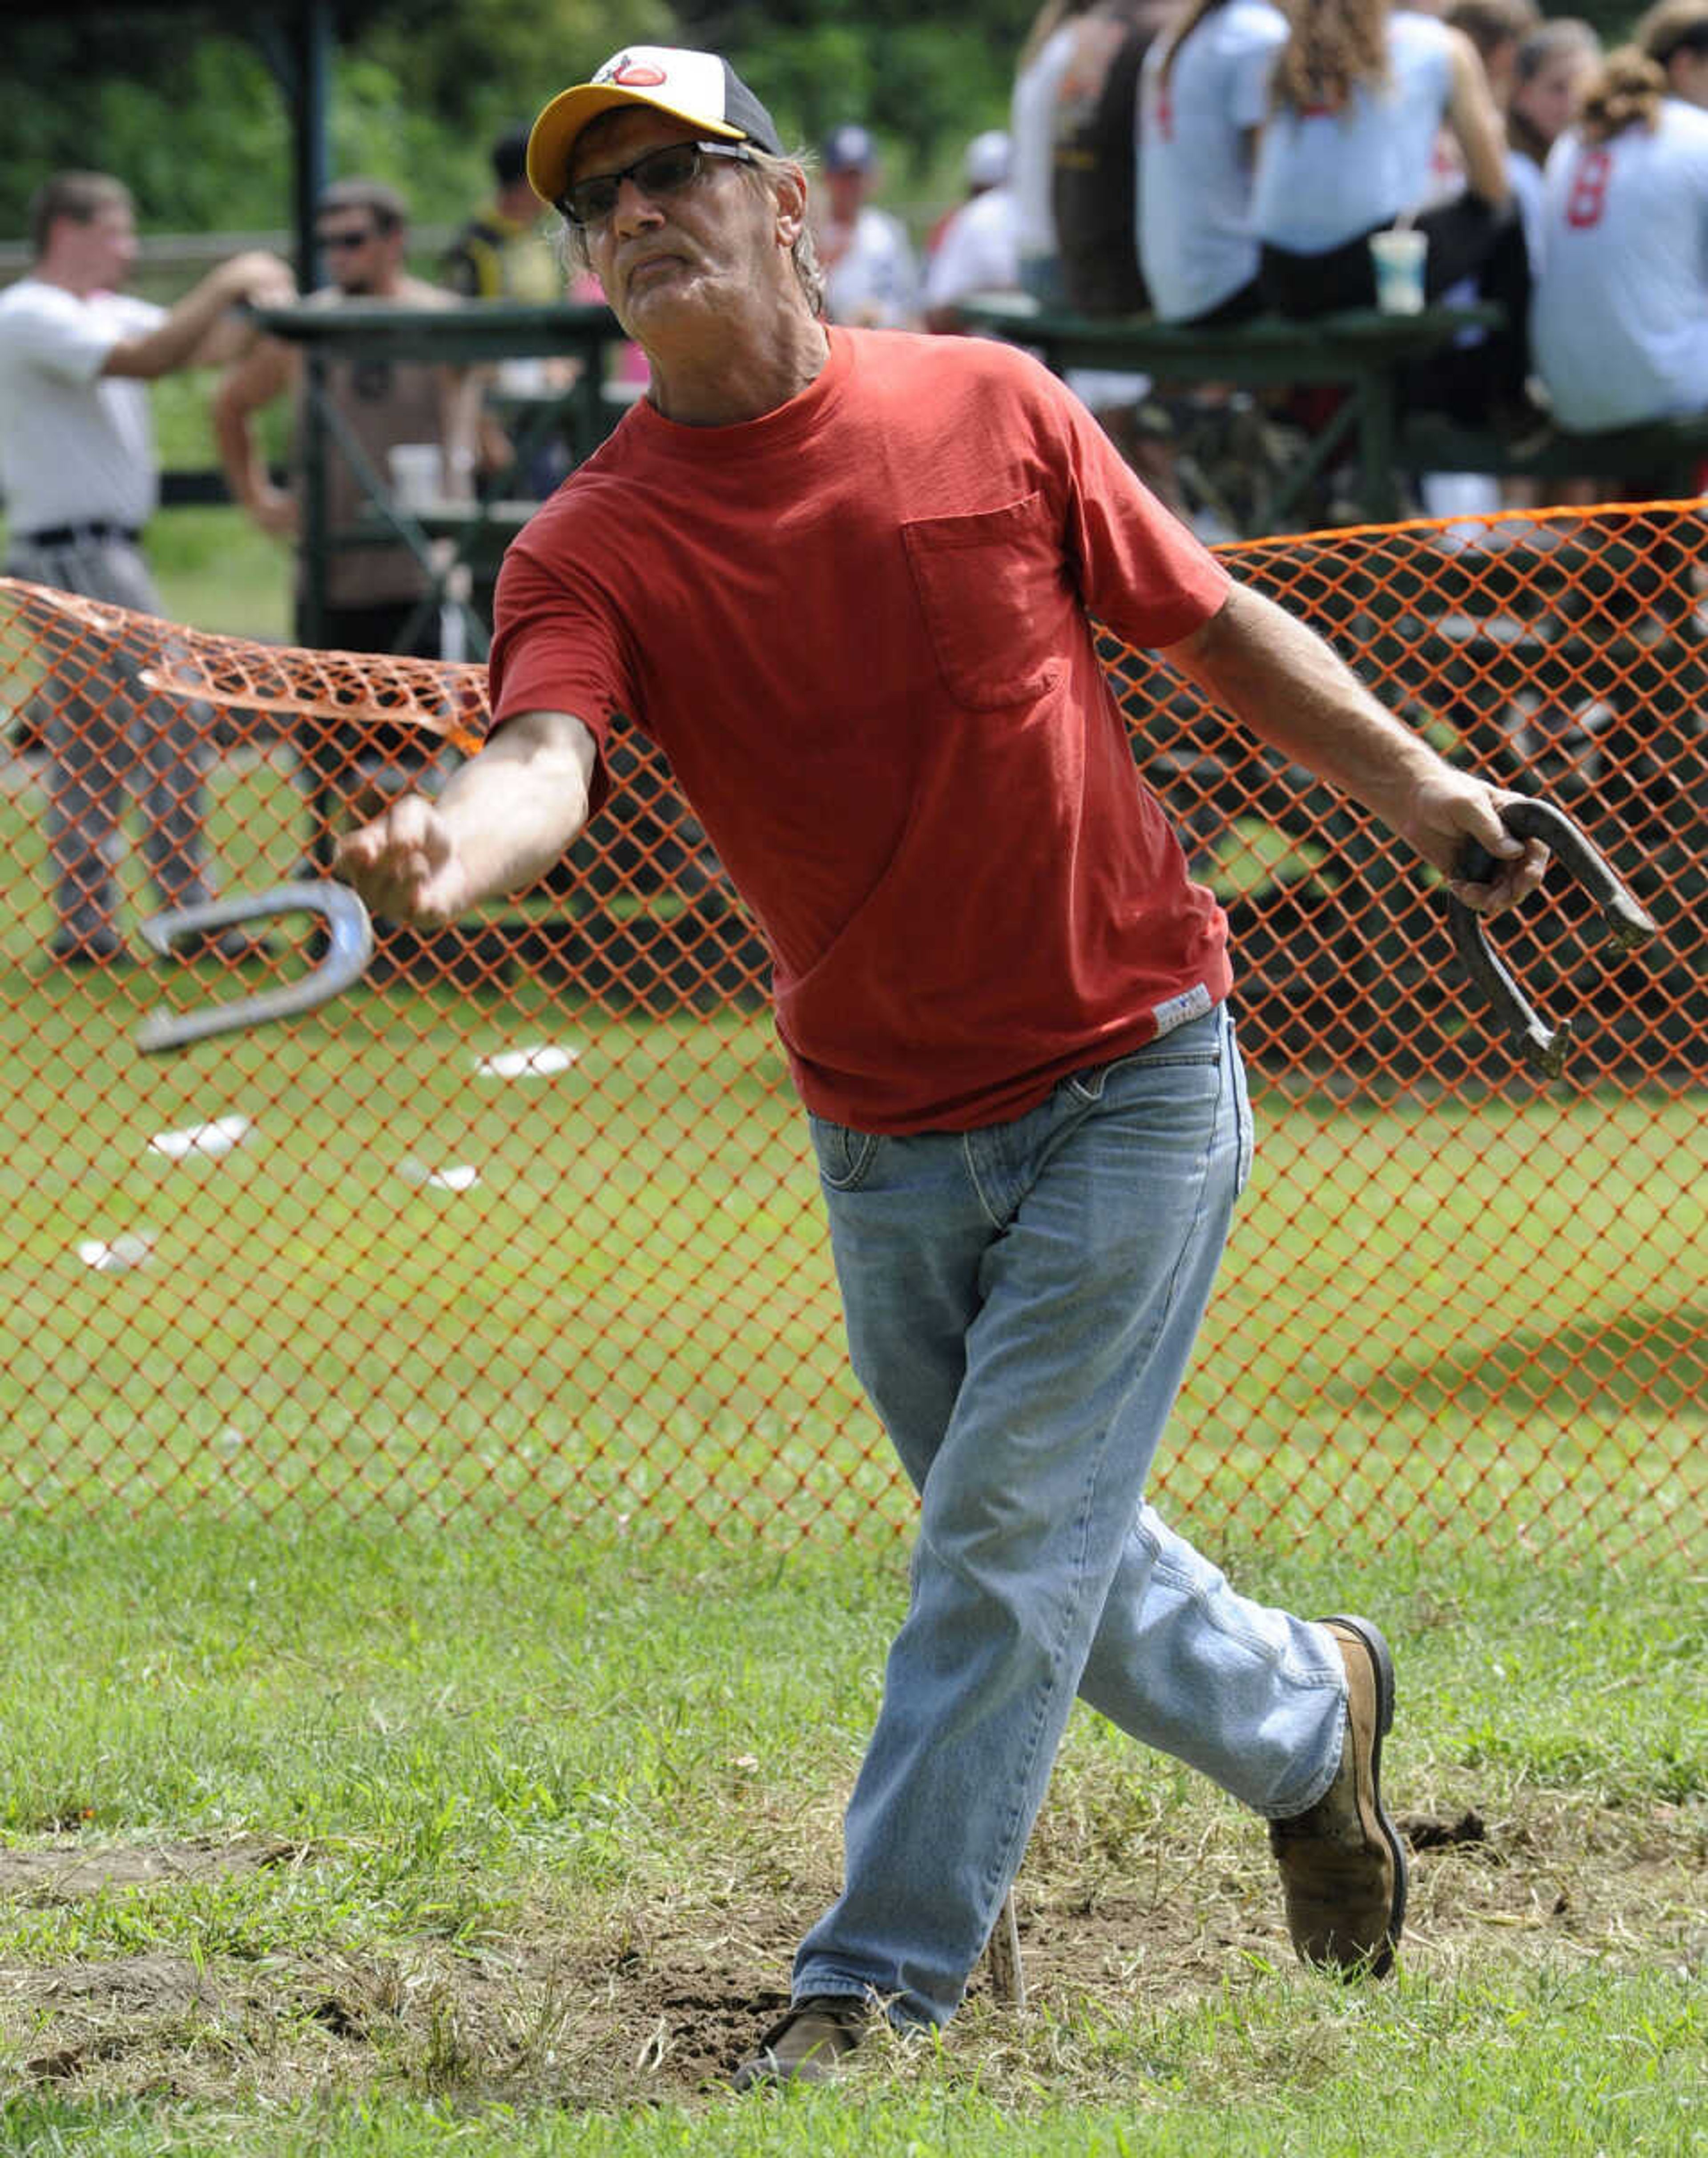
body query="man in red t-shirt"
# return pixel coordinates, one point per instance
(845, 580)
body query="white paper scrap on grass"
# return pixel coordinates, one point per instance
(217, 1137)
(538, 1062)
(462, 1176)
(117, 1255)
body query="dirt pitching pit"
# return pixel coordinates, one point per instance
(657, 2002)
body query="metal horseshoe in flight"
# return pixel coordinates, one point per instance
(349, 946)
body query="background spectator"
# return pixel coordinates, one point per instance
(378, 596)
(1348, 148)
(1675, 35)
(1042, 60)
(1550, 72)
(1093, 169)
(985, 164)
(1094, 182)
(978, 249)
(870, 274)
(1620, 321)
(1360, 94)
(1204, 91)
(372, 592)
(504, 252)
(1552, 69)
(78, 468)
(1497, 29)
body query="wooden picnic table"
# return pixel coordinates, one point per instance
(1360, 351)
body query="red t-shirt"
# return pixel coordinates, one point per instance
(858, 628)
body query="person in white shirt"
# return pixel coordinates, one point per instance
(1348, 147)
(978, 249)
(871, 278)
(1619, 322)
(1203, 93)
(1043, 63)
(78, 468)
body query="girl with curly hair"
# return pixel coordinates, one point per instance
(1359, 93)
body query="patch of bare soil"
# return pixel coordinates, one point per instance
(66, 1873)
(662, 2001)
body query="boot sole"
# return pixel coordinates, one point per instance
(1382, 1663)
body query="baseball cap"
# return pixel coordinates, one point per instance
(987, 159)
(700, 89)
(849, 149)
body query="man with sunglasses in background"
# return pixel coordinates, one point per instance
(846, 579)
(374, 592)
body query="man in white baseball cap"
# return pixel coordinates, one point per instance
(700, 89)
(977, 245)
(851, 582)
(986, 160)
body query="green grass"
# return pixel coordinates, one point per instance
(631, 1313)
(218, 570)
(513, 1794)
(215, 568)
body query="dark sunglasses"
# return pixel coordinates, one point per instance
(337, 243)
(664, 171)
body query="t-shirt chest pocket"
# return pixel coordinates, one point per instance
(992, 588)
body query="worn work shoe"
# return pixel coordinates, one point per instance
(1343, 1867)
(809, 2044)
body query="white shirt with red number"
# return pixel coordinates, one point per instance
(1195, 241)
(1619, 312)
(76, 446)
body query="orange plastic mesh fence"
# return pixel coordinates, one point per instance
(524, 1227)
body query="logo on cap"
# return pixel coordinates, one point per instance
(631, 75)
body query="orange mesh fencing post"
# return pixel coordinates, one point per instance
(524, 1227)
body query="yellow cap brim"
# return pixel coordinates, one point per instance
(554, 131)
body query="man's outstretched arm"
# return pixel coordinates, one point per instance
(1293, 691)
(501, 822)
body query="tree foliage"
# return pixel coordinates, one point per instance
(924, 82)
(183, 103)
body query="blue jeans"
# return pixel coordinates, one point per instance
(1021, 1301)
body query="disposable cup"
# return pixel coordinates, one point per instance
(417, 475)
(1398, 256)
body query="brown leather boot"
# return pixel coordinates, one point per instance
(1343, 1867)
(809, 2044)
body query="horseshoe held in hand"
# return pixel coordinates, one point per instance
(1629, 927)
